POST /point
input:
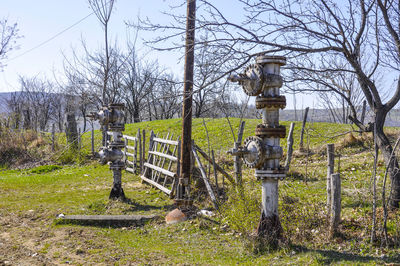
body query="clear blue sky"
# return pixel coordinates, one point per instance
(40, 20)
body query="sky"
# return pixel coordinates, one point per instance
(50, 29)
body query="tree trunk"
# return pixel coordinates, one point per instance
(71, 130)
(136, 117)
(386, 149)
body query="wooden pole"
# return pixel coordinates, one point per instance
(140, 152)
(215, 171)
(79, 139)
(238, 161)
(205, 179)
(92, 138)
(52, 137)
(187, 94)
(330, 152)
(222, 171)
(302, 128)
(289, 147)
(136, 151)
(336, 204)
(143, 148)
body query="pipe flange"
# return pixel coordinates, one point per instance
(266, 131)
(117, 144)
(117, 165)
(117, 106)
(271, 102)
(272, 81)
(271, 59)
(255, 156)
(116, 127)
(253, 84)
(271, 173)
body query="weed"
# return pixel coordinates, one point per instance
(242, 210)
(72, 156)
(44, 169)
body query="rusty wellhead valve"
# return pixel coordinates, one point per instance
(112, 116)
(263, 151)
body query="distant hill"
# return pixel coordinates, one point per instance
(314, 115)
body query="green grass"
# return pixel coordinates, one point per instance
(30, 199)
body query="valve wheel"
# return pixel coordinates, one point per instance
(255, 158)
(254, 84)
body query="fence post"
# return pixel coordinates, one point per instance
(135, 161)
(215, 171)
(125, 149)
(238, 163)
(289, 147)
(140, 152)
(92, 138)
(144, 146)
(302, 128)
(79, 139)
(52, 137)
(336, 204)
(330, 152)
(150, 157)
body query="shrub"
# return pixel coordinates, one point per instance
(13, 146)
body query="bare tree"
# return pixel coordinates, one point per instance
(14, 105)
(339, 105)
(138, 80)
(207, 85)
(103, 10)
(320, 38)
(167, 101)
(36, 102)
(8, 37)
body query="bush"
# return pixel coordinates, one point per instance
(13, 146)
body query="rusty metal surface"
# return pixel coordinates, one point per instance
(253, 80)
(268, 59)
(272, 81)
(254, 158)
(268, 132)
(271, 102)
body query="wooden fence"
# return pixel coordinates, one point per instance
(133, 152)
(162, 167)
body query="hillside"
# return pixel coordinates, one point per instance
(30, 200)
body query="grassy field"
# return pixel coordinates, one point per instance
(30, 200)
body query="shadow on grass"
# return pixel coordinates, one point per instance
(357, 204)
(135, 206)
(333, 256)
(294, 175)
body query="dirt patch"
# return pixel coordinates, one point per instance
(32, 239)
